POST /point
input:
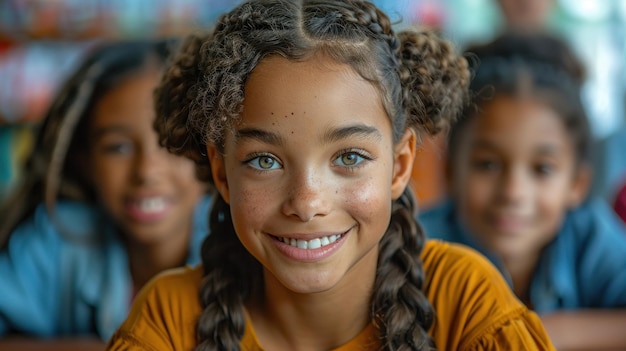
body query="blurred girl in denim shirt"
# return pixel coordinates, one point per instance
(518, 176)
(103, 207)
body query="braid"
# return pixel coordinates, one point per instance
(232, 276)
(400, 309)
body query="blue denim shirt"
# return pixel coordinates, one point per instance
(68, 274)
(583, 267)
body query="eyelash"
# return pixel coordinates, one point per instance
(116, 148)
(365, 156)
(257, 156)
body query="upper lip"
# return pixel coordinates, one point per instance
(144, 196)
(517, 219)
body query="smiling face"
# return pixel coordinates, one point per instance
(310, 173)
(514, 174)
(150, 193)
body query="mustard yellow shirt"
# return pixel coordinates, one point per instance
(474, 307)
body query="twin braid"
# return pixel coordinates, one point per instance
(400, 309)
(232, 276)
(376, 21)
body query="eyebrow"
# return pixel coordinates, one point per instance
(260, 135)
(358, 130)
(544, 149)
(113, 129)
(330, 136)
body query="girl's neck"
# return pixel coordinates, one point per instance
(285, 320)
(521, 270)
(146, 261)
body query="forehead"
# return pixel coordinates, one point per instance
(515, 123)
(283, 92)
(129, 102)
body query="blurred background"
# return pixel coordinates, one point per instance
(41, 40)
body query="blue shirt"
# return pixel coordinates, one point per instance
(583, 267)
(68, 274)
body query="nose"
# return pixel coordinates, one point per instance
(308, 196)
(150, 164)
(514, 185)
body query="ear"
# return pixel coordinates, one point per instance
(218, 171)
(404, 156)
(580, 185)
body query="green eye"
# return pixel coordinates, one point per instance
(264, 163)
(349, 159)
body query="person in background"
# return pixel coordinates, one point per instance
(609, 163)
(103, 207)
(526, 16)
(518, 175)
(306, 116)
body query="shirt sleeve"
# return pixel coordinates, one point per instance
(521, 332)
(29, 276)
(474, 307)
(164, 314)
(602, 258)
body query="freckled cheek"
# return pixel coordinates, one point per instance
(254, 202)
(367, 201)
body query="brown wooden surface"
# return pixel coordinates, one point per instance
(67, 344)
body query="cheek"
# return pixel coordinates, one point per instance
(366, 200)
(107, 176)
(552, 200)
(252, 204)
(472, 191)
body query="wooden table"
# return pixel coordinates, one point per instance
(25, 344)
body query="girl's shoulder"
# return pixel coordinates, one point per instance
(474, 305)
(68, 223)
(164, 314)
(594, 217)
(446, 262)
(67, 217)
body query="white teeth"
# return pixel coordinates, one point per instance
(311, 244)
(315, 244)
(151, 205)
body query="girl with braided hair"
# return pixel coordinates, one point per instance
(103, 207)
(518, 174)
(305, 115)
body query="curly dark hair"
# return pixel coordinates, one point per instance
(422, 84)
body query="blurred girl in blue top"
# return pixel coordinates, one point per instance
(103, 208)
(518, 175)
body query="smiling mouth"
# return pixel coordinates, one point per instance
(310, 244)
